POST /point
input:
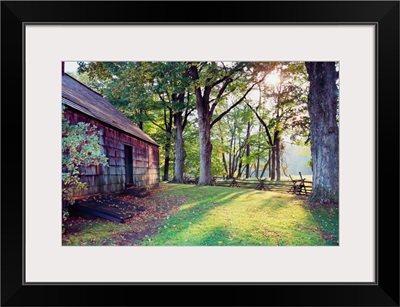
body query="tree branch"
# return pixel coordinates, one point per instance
(194, 74)
(161, 97)
(220, 92)
(225, 95)
(220, 80)
(185, 118)
(165, 119)
(171, 117)
(154, 123)
(262, 123)
(187, 111)
(218, 118)
(213, 106)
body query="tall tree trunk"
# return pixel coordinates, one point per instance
(240, 169)
(140, 124)
(322, 108)
(204, 120)
(233, 165)
(168, 131)
(230, 175)
(180, 153)
(278, 157)
(205, 144)
(205, 112)
(167, 158)
(269, 162)
(224, 161)
(273, 162)
(248, 150)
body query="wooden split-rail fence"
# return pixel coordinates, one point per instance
(299, 186)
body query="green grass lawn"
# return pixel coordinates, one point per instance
(219, 216)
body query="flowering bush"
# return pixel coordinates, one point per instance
(80, 148)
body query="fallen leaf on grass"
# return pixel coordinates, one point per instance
(149, 214)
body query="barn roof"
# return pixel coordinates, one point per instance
(80, 97)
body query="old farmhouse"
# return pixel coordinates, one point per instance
(132, 155)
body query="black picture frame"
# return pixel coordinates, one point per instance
(383, 14)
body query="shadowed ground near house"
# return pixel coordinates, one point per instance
(153, 210)
(189, 215)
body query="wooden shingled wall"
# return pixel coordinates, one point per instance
(112, 178)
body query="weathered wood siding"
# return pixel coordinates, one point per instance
(112, 178)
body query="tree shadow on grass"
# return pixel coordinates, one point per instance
(227, 236)
(193, 225)
(327, 217)
(195, 211)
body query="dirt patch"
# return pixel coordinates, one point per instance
(154, 209)
(324, 205)
(147, 223)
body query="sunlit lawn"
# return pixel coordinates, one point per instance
(232, 216)
(217, 216)
(94, 232)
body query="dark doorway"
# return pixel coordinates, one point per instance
(128, 165)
